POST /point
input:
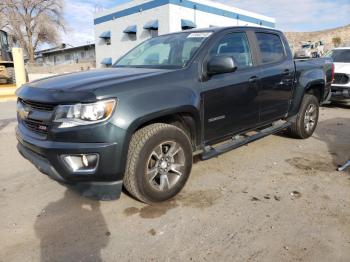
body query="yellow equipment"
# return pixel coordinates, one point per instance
(7, 72)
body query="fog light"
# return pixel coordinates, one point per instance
(81, 163)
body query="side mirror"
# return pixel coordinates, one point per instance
(220, 65)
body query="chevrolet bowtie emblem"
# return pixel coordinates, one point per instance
(22, 111)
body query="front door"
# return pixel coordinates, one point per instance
(230, 99)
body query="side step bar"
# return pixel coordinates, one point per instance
(276, 127)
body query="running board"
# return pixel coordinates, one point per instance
(276, 127)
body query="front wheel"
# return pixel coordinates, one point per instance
(159, 163)
(307, 118)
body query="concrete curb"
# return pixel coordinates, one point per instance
(7, 98)
(7, 94)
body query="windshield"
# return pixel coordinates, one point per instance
(341, 55)
(168, 52)
(305, 46)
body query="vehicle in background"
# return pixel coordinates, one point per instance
(138, 124)
(340, 91)
(7, 72)
(310, 50)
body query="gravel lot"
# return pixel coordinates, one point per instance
(278, 199)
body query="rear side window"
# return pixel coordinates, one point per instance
(271, 47)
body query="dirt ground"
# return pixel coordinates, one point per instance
(277, 199)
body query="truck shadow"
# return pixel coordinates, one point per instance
(72, 229)
(337, 105)
(338, 142)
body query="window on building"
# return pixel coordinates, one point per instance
(235, 45)
(106, 36)
(152, 27)
(187, 24)
(153, 33)
(67, 57)
(106, 62)
(131, 32)
(271, 47)
(82, 54)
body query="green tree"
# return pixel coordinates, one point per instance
(336, 41)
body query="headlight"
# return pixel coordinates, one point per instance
(84, 114)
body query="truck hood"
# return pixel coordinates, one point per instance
(80, 86)
(342, 68)
(91, 80)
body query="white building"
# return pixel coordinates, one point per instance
(119, 29)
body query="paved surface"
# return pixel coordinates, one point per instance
(278, 199)
(7, 112)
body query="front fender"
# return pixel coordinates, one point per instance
(134, 110)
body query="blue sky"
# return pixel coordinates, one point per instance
(291, 15)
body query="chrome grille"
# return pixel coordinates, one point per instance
(38, 118)
(341, 79)
(36, 126)
(37, 105)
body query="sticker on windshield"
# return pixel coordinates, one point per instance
(199, 35)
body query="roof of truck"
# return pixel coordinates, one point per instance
(339, 48)
(219, 28)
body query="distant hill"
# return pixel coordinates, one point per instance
(295, 38)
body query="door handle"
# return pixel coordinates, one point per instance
(253, 79)
(286, 72)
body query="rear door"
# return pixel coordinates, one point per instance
(276, 76)
(230, 99)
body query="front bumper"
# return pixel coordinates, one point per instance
(104, 184)
(340, 93)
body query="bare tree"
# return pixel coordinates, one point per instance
(3, 22)
(33, 22)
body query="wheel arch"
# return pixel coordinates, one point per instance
(186, 118)
(315, 87)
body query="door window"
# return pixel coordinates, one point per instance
(271, 48)
(235, 45)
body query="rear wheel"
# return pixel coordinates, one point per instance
(159, 163)
(11, 75)
(307, 118)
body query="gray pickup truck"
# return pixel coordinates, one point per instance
(139, 123)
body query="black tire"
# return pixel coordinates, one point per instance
(142, 152)
(11, 75)
(299, 129)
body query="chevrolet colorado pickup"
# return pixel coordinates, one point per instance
(139, 123)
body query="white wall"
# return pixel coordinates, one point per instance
(122, 42)
(169, 18)
(201, 19)
(235, 10)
